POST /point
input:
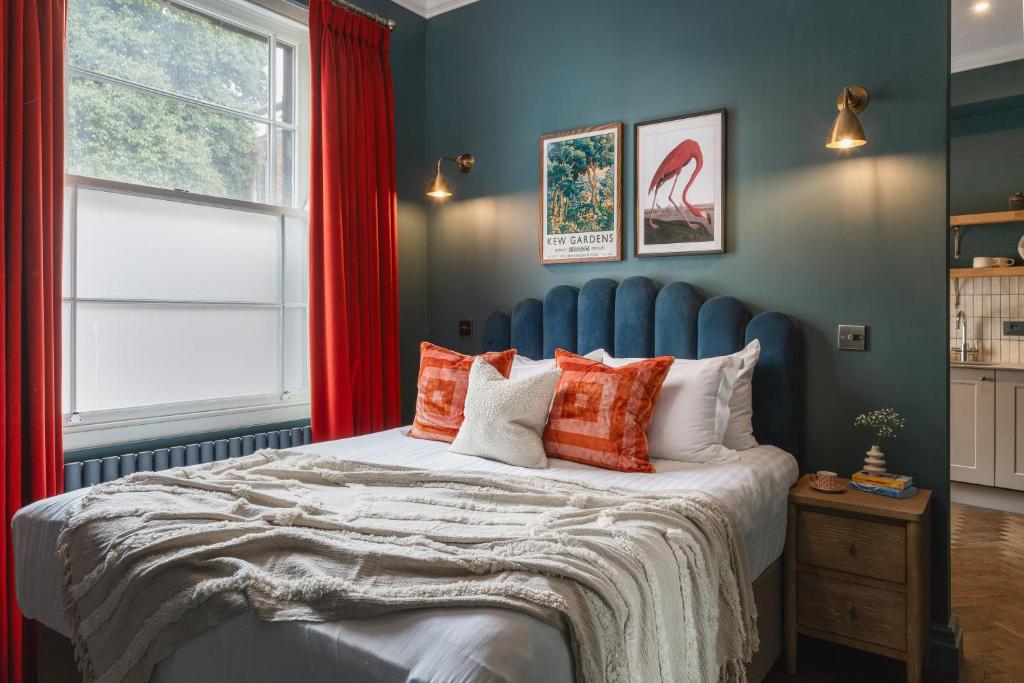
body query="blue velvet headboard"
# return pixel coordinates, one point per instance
(636, 319)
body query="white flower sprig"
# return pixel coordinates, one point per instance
(884, 422)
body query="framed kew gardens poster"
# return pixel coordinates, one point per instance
(680, 185)
(580, 195)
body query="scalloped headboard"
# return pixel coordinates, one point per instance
(636, 319)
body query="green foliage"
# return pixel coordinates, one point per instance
(126, 134)
(581, 185)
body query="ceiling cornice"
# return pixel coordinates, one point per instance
(431, 8)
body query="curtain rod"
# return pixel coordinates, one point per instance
(390, 23)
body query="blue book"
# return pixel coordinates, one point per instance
(884, 491)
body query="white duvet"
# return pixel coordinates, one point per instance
(450, 644)
(754, 487)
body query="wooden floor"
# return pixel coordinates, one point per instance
(988, 597)
(988, 591)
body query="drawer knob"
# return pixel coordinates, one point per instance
(854, 618)
(852, 550)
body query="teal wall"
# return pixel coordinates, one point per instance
(826, 236)
(986, 155)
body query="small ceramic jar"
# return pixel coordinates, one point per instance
(1017, 201)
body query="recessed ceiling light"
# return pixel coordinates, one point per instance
(981, 6)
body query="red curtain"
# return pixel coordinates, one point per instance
(353, 261)
(31, 202)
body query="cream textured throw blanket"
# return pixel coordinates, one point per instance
(649, 586)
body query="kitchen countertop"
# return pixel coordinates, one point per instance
(982, 365)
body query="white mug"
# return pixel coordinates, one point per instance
(992, 262)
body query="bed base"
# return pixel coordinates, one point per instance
(768, 598)
(57, 658)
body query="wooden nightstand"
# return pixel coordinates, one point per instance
(857, 572)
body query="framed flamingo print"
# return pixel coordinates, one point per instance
(680, 185)
(580, 195)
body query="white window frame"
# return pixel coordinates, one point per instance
(94, 428)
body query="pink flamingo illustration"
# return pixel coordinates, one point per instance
(671, 167)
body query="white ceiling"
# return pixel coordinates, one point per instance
(984, 38)
(431, 8)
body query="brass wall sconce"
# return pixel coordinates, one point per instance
(439, 187)
(847, 131)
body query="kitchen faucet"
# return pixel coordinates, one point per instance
(961, 324)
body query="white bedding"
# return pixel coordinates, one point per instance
(754, 487)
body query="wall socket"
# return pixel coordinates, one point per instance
(1013, 328)
(853, 337)
(465, 328)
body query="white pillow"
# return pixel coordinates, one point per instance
(692, 412)
(505, 418)
(739, 435)
(527, 367)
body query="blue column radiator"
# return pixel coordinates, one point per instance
(78, 475)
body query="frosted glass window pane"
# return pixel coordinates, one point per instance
(65, 275)
(296, 253)
(296, 350)
(65, 352)
(139, 355)
(140, 248)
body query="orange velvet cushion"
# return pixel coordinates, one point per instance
(600, 413)
(441, 389)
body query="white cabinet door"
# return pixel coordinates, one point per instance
(1010, 429)
(972, 433)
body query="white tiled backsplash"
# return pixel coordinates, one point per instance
(987, 302)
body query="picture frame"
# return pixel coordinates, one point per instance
(581, 195)
(687, 150)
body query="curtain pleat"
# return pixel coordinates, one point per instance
(31, 203)
(353, 250)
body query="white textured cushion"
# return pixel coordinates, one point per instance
(527, 367)
(739, 435)
(504, 418)
(692, 412)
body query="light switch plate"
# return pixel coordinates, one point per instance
(1013, 328)
(852, 337)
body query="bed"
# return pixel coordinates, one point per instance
(488, 644)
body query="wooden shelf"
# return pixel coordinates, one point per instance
(987, 218)
(1010, 271)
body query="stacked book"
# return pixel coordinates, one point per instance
(892, 485)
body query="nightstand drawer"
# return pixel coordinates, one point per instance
(871, 615)
(851, 544)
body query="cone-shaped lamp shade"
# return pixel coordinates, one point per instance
(439, 187)
(846, 131)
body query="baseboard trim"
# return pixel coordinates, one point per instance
(945, 647)
(987, 497)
